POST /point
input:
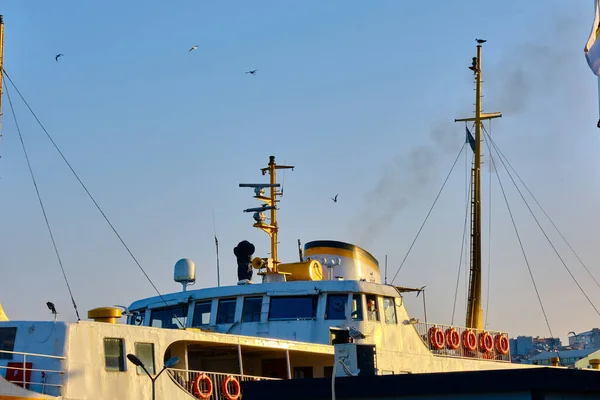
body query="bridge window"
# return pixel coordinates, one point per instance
(170, 318)
(372, 311)
(226, 311)
(336, 306)
(145, 352)
(114, 358)
(7, 342)
(357, 307)
(202, 313)
(251, 310)
(389, 310)
(293, 307)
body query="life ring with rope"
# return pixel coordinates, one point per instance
(486, 342)
(452, 339)
(502, 344)
(236, 388)
(198, 388)
(436, 338)
(469, 340)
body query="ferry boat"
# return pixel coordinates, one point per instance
(280, 320)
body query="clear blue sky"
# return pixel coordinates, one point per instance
(359, 96)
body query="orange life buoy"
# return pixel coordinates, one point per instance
(452, 339)
(469, 340)
(436, 338)
(486, 342)
(198, 389)
(502, 345)
(225, 388)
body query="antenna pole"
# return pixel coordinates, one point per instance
(218, 268)
(272, 228)
(474, 318)
(385, 273)
(1, 66)
(300, 250)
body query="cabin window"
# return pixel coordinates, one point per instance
(170, 318)
(251, 310)
(293, 307)
(303, 372)
(357, 307)
(145, 352)
(226, 311)
(336, 306)
(389, 310)
(114, 358)
(7, 342)
(372, 311)
(202, 313)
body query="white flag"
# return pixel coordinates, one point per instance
(592, 47)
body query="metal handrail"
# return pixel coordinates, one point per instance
(24, 382)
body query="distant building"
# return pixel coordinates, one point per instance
(567, 358)
(585, 361)
(523, 346)
(585, 340)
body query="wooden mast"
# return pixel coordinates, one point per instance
(474, 318)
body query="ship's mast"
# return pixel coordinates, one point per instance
(474, 318)
(272, 228)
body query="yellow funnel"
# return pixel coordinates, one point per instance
(3, 316)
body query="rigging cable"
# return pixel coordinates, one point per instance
(546, 236)
(521, 245)
(462, 245)
(5, 73)
(37, 191)
(429, 213)
(547, 216)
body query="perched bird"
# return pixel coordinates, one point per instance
(251, 72)
(473, 66)
(57, 57)
(481, 41)
(334, 198)
(356, 334)
(193, 48)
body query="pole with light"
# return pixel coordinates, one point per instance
(170, 363)
(346, 370)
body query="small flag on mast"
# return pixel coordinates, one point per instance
(592, 49)
(470, 139)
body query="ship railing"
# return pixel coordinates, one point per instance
(185, 379)
(424, 329)
(21, 369)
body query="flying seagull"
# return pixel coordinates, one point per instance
(193, 48)
(481, 41)
(334, 198)
(251, 72)
(57, 56)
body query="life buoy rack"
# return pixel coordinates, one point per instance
(486, 342)
(198, 389)
(469, 340)
(502, 345)
(436, 338)
(452, 339)
(236, 388)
